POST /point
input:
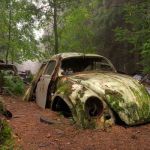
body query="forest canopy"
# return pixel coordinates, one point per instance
(119, 30)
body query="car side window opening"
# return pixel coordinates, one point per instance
(80, 64)
(50, 68)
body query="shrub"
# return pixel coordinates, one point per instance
(12, 83)
(6, 141)
(5, 132)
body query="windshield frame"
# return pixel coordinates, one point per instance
(84, 56)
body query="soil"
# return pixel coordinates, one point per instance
(61, 134)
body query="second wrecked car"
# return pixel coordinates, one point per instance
(88, 88)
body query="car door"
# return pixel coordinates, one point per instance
(43, 84)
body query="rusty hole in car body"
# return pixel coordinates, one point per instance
(94, 107)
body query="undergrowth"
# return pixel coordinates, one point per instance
(13, 84)
(6, 140)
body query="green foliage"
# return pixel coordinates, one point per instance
(76, 28)
(12, 83)
(5, 132)
(83, 26)
(108, 28)
(2, 107)
(17, 30)
(1, 79)
(136, 30)
(51, 11)
(6, 141)
(76, 33)
(146, 56)
(87, 26)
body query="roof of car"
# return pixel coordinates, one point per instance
(67, 55)
(4, 64)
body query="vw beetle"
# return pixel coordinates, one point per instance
(88, 88)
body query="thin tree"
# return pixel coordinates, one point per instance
(55, 27)
(9, 31)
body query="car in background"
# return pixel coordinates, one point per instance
(144, 79)
(26, 76)
(10, 68)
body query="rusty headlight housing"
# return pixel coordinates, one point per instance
(94, 107)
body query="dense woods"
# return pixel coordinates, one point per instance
(36, 30)
(116, 29)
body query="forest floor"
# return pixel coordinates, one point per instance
(31, 134)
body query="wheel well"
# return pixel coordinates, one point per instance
(61, 106)
(118, 119)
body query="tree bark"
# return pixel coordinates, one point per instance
(9, 32)
(55, 27)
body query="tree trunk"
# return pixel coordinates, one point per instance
(9, 32)
(55, 27)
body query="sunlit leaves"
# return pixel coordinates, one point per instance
(20, 25)
(76, 30)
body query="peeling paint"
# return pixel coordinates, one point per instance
(78, 94)
(124, 95)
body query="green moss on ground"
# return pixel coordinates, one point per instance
(6, 140)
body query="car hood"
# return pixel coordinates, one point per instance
(125, 95)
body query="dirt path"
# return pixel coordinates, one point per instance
(31, 134)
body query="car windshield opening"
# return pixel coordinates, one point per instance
(80, 64)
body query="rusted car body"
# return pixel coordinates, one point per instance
(88, 88)
(9, 67)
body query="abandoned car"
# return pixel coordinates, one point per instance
(88, 88)
(12, 69)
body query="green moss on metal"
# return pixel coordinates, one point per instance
(131, 111)
(114, 99)
(64, 87)
(82, 92)
(143, 100)
(82, 119)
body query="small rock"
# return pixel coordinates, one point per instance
(68, 143)
(138, 132)
(44, 145)
(59, 131)
(48, 121)
(48, 135)
(56, 140)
